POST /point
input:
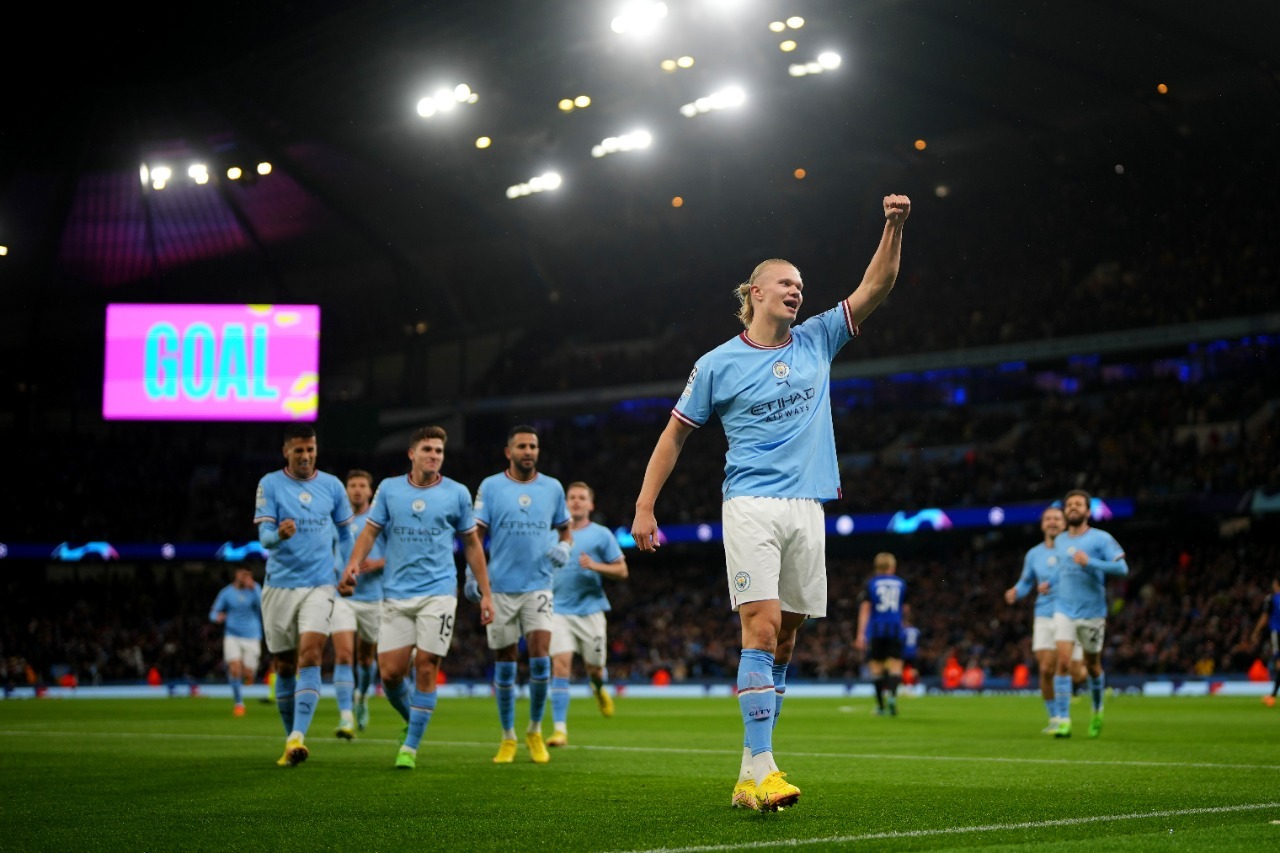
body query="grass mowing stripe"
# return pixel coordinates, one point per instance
(854, 756)
(960, 830)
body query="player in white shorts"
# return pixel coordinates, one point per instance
(1040, 569)
(420, 514)
(521, 508)
(578, 625)
(238, 608)
(770, 388)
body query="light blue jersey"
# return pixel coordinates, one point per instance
(579, 591)
(887, 594)
(1041, 564)
(1082, 590)
(775, 405)
(306, 558)
(519, 515)
(368, 586)
(244, 611)
(420, 524)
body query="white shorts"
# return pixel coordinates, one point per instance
(243, 649)
(517, 614)
(288, 612)
(776, 548)
(1044, 638)
(350, 615)
(1088, 633)
(583, 635)
(424, 621)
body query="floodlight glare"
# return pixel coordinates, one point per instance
(462, 93)
(582, 101)
(4, 250)
(161, 174)
(145, 174)
(426, 108)
(234, 173)
(639, 17)
(724, 99)
(199, 173)
(685, 62)
(566, 104)
(795, 22)
(777, 26)
(264, 168)
(787, 46)
(829, 60)
(483, 142)
(542, 183)
(668, 65)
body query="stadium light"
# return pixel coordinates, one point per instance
(199, 173)
(638, 18)
(545, 182)
(445, 99)
(635, 141)
(722, 100)
(264, 168)
(826, 61)
(234, 173)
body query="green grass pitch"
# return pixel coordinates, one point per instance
(948, 773)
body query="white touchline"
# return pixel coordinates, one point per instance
(957, 830)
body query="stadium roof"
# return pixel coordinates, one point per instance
(390, 219)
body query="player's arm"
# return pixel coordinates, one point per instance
(661, 464)
(360, 550)
(1022, 588)
(882, 272)
(617, 569)
(864, 616)
(218, 613)
(473, 552)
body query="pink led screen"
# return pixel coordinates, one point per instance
(212, 362)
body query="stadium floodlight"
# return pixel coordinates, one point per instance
(264, 168)
(199, 173)
(4, 250)
(234, 173)
(638, 18)
(795, 22)
(721, 100)
(483, 142)
(787, 46)
(545, 182)
(634, 141)
(777, 26)
(445, 99)
(826, 61)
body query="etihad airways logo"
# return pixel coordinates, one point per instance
(785, 405)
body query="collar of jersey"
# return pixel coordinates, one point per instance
(439, 480)
(746, 340)
(507, 471)
(314, 474)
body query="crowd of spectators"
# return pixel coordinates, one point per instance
(1186, 609)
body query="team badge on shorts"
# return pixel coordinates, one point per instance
(304, 498)
(742, 581)
(781, 370)
(419, 505)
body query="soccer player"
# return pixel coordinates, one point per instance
(1040, 567)
(1270, 620)
(578, 624)
(295, 511)
(420, 514)
(356, 617)
(1081, 612)
(880, 618)
(238, 608)
(520, 507)
(769, 386)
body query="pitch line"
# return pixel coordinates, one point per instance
(960, 830)
(847, 756)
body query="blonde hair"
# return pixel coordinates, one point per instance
(747, 310)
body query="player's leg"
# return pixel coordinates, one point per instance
(435, 621)
(314, 612)
(1047, 665)
(592, 645)
(397, 635)
(235, 674)
(280, 627)
(344, 679)
(368, 620)
(561, 671)
(1091, 633)
(1065, 639)
(539, 643)
(503, 635)
(893, 678)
